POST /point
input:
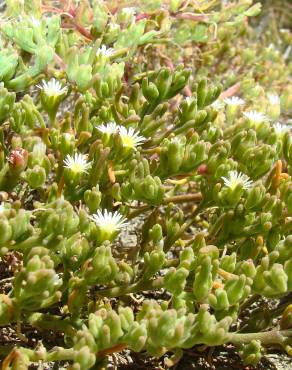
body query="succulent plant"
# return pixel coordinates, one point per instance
(169, 113)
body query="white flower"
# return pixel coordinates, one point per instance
(56, 280)
(217, 104)
(130, 137)
(109, 129)
(274, 99)
(129, 10)
(234, 100)
(2, 208)
(77, 163)
(255, 117)
(52, 88)
(68, 136)
(176, 140)
(113, 27)
(281, 128)
(39, 149)
(104, 51)
(110, 222)
(287, 52)
(35, 22)
(234, 178)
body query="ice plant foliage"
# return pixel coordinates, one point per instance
(131, 134)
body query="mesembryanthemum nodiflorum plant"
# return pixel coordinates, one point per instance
(109, 122)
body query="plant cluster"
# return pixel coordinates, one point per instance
(172, 116)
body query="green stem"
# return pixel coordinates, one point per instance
(31, 242)
(214, 230)
(138, 211)
(156, 141)
(40, 119)
(268, 337)
(4, 350)
(120, 172)
(50, 322)
(60, 354)
(169, 242)
(119, 53)
(141, 285)
(249, 302)
(183, 198)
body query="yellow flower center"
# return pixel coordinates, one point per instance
(128, 141)
(109, 228)
(76, 167)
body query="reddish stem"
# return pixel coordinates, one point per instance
(187, 90)
(60, 187)
(231, 91)
(142, 16)
(109, 351)
(71, 14)
(83, 31)
(192, 17)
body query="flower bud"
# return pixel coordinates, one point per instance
(84, 358)
(219, 300)
(203, 279)
(251, 352)
(233, 105)
(136, 337)
(153, 262)
(273, 107)
(149, 90)
(175, 280)
(67, 144)
(35, 177)
(236, 289)
(126, 16)
(92, 198)
(17, 160)
(5, 230)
